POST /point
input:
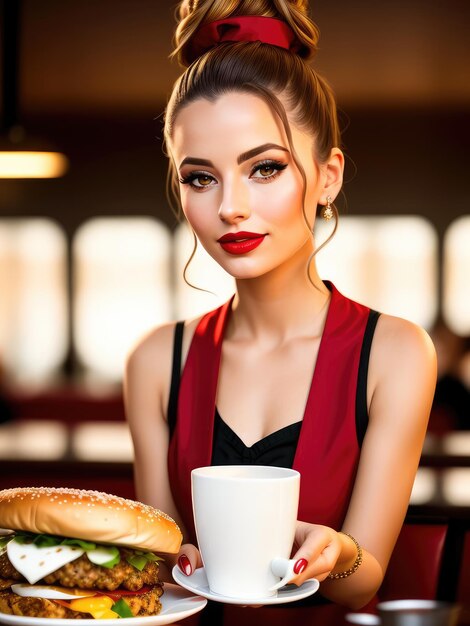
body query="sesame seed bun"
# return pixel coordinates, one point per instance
(90, 515)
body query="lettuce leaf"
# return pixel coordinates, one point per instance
(122, 608)
(140, 559)
(97, 553)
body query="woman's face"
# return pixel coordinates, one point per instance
(240, 189)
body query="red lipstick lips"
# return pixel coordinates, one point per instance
(240, 243)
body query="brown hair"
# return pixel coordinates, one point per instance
(253, 67)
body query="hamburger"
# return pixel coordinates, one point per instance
(78, 554)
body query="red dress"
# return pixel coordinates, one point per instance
(328, 450)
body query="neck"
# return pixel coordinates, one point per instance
(282, 304)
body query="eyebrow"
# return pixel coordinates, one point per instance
(255, 151)
(196, 161)
(244, 156)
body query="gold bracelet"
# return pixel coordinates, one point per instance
(355, 565)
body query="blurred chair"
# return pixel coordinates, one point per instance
(416, 564)
(463, 586)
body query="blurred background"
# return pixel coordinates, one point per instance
(92, 257)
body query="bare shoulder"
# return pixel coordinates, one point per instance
(403, 367)
(156, 343)
(399, 340)
(147, 373)
(149, 362)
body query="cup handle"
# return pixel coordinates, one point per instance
(284, 568)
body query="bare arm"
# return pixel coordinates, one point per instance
(401, 382)
(146, 388)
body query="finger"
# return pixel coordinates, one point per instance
(310, 541)
(300, 565)
(189, 559)
(314, 564)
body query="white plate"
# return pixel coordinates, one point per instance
(197, 583)
(176, 605)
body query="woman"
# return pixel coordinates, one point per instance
(289, 372)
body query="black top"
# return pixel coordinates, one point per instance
(279, 447)
(276, 449)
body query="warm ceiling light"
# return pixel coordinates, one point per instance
(28, 164)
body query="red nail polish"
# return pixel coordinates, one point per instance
(300, 565)
(185, 565)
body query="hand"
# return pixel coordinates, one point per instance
(188, 559)
(320, 546)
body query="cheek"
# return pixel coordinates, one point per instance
(283, 203)
(197, 208)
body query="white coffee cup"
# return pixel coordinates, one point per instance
(245, 518)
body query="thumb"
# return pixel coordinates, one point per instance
(189, 559)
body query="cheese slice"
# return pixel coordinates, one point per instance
(50, 592)
(34, 563)
(99, 607)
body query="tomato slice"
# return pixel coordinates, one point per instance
(119, 593)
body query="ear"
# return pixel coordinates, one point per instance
(333, 170)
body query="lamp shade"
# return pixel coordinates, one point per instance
(31, 164)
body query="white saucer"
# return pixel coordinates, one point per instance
(197, 583)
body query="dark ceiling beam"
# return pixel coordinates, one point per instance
(10, 10)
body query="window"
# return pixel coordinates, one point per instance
(456, 276)
(387, 263)
(121, 288)
(33, 303)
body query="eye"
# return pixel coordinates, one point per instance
(267, 170)
(198, 180)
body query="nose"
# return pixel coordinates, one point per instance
(235, 206)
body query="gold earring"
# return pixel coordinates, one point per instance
(328, 211)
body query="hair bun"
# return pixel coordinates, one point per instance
(197, 15)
